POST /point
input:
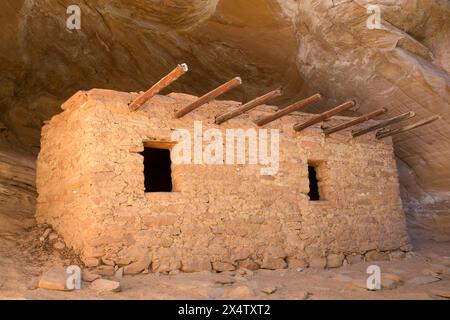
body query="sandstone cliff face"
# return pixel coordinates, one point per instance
(17, 190)
(304, 46)
(402, 66)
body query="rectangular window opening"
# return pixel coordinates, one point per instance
(314, 190)
(157, 169)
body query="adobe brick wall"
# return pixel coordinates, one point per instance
(91, 190)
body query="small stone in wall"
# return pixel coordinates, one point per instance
(105, 270)
(297, 263)
(375, 255)
(335, 260)
(397, 255)
(318, 262)
(249, 264)
(273, 263)
(108, 262)
(91, 262)
(223, 266)
(354, 258)
(196, 264)
(138, 266)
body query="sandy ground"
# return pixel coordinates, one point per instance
(23, 258)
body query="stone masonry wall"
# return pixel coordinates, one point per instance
(91, 190)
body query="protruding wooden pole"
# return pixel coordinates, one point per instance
(157, 87)
(248, 106)
(403, 116)
(385, 134)
(356, 121)
(293, 107)
(325, 115)
(209, 96)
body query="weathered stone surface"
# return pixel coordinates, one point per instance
(375, 255)
(89, 276)
(196, 264)
(105, 270)
(397, 255)
(119, 273)
(249, 264)
(105, 286)
(91, 262)
(223, 266)
(54, 279)
(297, 263)
(413, 36)
(335, 260)
(273, 263)
(318, 262)
(354, 258)
(138, 266)
(17, 185)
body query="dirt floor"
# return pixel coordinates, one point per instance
(423, 274)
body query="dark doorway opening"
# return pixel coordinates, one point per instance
(157, 170)
(313, 194)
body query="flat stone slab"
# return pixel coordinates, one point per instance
(105, 286)
(422, 280)
(54, 279)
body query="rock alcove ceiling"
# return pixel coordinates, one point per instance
(303, 46)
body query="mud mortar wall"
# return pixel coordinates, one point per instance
(91, 190)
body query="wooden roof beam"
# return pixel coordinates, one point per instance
(157, 87)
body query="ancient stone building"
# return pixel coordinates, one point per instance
(331, 197)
